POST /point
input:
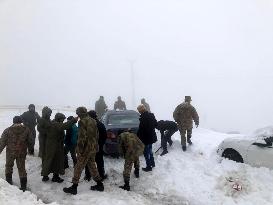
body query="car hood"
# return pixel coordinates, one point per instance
(245, 140)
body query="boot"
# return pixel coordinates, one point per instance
(184, 148)
(71, 190)
(126, 186)
(147, 169)
(45, 178)
(23, 181)
(9, 178)
(136, 172)
(98, 187)
(57, 179)
(164, 152)
(189, 141)
(153, 164)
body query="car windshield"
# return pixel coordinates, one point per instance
(123, 119)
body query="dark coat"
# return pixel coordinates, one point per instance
(102, 134)
(163, 125)
(53, 159)
(146, 130)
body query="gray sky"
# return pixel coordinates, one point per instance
(67, 52)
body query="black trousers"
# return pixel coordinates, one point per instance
(166, 138)
(72, 150)
(100, 165)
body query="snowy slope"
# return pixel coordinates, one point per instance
(195, 177)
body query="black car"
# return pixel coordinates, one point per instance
(115, 123)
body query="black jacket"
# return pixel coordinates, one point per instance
(146, 130)
(102, 133)
(163, 125)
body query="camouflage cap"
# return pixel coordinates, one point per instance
(81, 111)
(187, 98)
(59, 116)
(17, 120)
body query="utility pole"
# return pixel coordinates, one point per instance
(132, 63)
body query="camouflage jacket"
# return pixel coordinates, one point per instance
(87, 136)
(16, 138)
(130, 146)
(184, 114)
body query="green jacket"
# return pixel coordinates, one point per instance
(87, 136)
(130, 146)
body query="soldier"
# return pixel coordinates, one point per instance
(100, 107)
(53, 160)
(43, 128)
(131, 148)
(119, 104)
(167, 129)
(16, 138)
(147, 106)
(183, 115)
(99, 154)
(87, 148)
(30, 119)
(146, 133)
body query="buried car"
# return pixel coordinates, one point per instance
(256, 152)
(115, 123)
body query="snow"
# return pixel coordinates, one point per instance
(195, 177)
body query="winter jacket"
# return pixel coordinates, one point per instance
(130, 146)
(184, 114)
(71, 136)
(146, 130)
(16, 138)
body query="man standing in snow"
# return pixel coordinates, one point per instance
(146, 133)
(17, 139)
(131, 148)
(87, 148)
(99, 154)
(30, 119)
(100, 107)
(184, 114)
(167, 129)
(119, 104)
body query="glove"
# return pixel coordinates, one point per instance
(196, 125)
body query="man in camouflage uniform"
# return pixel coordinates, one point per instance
(43, 128)
(100, 107)
(87, 148)
(16, 138)
(131, 147)
(30, 119)
(147, 106)
(119, 104)
(183, 115)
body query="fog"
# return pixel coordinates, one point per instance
(68, 52)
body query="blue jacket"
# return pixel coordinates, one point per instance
(71, 136)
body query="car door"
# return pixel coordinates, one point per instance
(260, 156)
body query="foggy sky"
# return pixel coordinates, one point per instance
(68, 52)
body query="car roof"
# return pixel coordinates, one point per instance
(110, 112)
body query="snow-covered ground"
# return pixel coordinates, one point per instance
(195, 177)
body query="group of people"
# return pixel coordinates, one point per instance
(101, 107)
(85, 142)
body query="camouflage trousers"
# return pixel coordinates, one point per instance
(32, 140)
(20, 162)
(183, 132)
(128, 167)
(82, 161)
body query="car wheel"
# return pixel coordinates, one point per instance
(232, 154)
